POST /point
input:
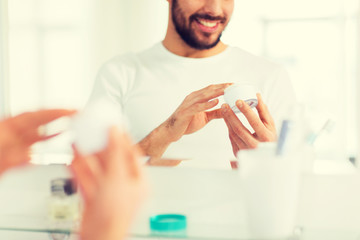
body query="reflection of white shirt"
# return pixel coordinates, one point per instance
(150, 85)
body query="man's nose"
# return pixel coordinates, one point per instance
(213, 7)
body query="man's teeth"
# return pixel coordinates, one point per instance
(208, 24)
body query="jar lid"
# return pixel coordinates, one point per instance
(63, 186)
(168, 222)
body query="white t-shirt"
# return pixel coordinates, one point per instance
(150, 85)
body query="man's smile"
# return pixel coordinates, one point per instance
(207, 25)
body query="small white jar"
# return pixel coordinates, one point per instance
(235, 92)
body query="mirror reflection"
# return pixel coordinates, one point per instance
(166, 66)
(203, 87)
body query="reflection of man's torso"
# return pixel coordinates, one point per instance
(157, 81)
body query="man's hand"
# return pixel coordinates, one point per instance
(18, 133)
(189, 117)
(112, 184)
(192, 114)
(240, 136)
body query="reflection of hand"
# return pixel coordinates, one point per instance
(112, 185)
(189, 117)
(240, 136)
(18, 133)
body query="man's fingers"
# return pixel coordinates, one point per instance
(252, 118)
(211, 92)
(120, 156)
(236, 143)
(206, 94)
(130, 155)
(235, 140)
(28, 125)
(76, 152)
(207, 91)
(32, 135)
(112, 152)
(136, 166)
(264, 113)
(82, 180)
(14, 156)
(214, 114)
(44, 138)
(84, 175)
(90, 164)
(239, 142)
(237, 127)
(41, 117)
(201, 107)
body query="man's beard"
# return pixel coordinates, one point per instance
(186, 33)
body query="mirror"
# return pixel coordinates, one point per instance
(56, 49)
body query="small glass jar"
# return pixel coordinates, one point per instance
(64, 202)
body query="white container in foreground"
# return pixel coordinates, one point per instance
(271, 190)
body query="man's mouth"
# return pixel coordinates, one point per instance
(207, 25)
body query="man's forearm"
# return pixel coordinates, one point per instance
(155, 143)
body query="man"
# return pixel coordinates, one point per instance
(150, 87)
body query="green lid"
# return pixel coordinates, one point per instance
(168, 222)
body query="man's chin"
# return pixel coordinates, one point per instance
(207, 42)
(206, 45)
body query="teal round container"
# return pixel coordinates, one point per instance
(167, 222)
